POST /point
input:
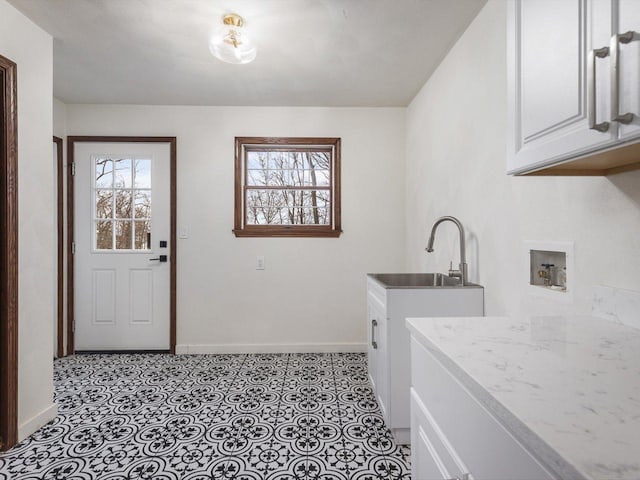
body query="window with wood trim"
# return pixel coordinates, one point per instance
(287, 187)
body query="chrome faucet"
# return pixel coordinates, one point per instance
(461, 273)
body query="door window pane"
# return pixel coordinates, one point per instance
(104, 235)
(123, 234)
(122, 177)
(143, 204)
(142, 173)
(142, 240)
(104, 173)
(123, 204)
(104, 203)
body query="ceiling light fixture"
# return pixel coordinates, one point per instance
(230, 41)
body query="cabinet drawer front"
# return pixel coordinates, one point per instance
(432, 456)
(488, 450)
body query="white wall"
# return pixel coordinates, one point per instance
(31, 49)
(312, 294)
(455, 144)
(59, 119)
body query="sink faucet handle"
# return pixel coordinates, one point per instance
(452, 272)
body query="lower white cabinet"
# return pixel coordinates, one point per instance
(388, 340)
(454, 437)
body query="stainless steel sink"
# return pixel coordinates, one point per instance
(419, 280)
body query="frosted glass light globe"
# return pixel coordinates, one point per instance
(230, 41)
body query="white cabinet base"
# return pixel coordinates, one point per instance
(388, 345)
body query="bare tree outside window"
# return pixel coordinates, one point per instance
(287, 187)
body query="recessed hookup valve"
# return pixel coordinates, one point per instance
(546, 273)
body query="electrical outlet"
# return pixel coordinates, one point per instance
(184, 231)
(260, 262)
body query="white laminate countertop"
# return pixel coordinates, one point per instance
(573, 381)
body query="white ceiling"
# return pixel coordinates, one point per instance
(310, 52)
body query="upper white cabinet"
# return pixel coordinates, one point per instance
(573, 86)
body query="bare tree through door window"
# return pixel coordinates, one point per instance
(122, 196)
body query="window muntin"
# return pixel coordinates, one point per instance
(287, 187)
(121, 203)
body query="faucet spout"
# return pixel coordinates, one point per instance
(432, 238)
(462, 272)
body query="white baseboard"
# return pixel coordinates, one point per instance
(273, 348)
(34, 423)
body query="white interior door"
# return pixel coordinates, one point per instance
(122, 227)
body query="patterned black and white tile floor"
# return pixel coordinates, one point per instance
(197, 417)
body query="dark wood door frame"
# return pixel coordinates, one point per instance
(8, 254)
(71, 141)
(60, 247)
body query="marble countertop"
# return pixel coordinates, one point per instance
(567, 386)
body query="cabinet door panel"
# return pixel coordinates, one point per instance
(382, 382)
(544, 77)
(547, 68)
(372, 352)
(376, 303)
(629, 67)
